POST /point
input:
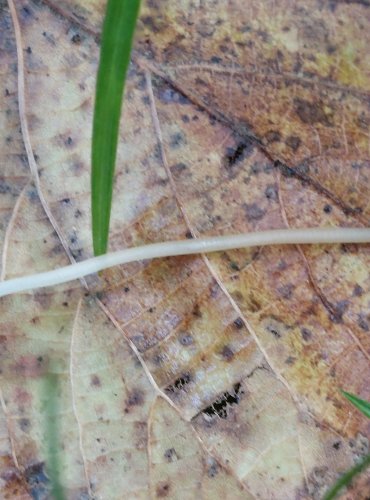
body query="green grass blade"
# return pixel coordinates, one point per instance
(118, 30)
(51, 420)
(361, 404)
(347, 477)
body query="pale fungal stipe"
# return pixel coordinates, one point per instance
(185, 247)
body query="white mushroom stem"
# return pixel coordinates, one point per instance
(185, 247)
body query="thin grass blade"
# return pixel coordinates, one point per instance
(346, 478)
(118, 30)
(51, 424)
(360, 404)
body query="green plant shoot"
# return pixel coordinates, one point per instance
(346, 478)
(118, 31)
(361, 404)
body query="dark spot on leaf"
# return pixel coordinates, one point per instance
(311, 112)
(179, 384)
(29, 50)
(272, 136)
(363, 323)
(286, 291)
(358, 291)
(177, 140)
(196, 311)
(169, 95)
(290, 360)
(293, 142)
(24, 424)
(222, 405)
(212, 470)
(149, 22)
(186, 339)
(76, 38)
(32, 195)
(271, 192)
(306, 334)
(336, 445)
(234, 266)
(178, 169)
(227, 353)
(274, 331)
(253, 211)
(37, 481)
(338, 310)
(170, 455)
(188, 235)
(162, 490)
(237, 154)
(135, 398)
(26, 12)
(238, 323)
(327, 208)
(95, 381)
(126, 289)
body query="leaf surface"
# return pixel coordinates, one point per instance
(235, 120)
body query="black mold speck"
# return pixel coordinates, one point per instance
(179, 384)
(274, 332)
(238, 323)
(221, 406)
(327, 208)
(237, 154)
(76, 38)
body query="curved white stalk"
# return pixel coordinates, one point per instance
(185, 247)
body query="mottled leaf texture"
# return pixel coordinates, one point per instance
(215, 376)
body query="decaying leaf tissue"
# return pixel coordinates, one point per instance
(214, 376)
